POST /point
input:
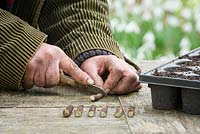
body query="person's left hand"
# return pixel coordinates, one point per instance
(122, 78)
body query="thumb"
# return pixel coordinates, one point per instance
(98, 81)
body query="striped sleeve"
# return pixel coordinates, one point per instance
(77, 26)
(18, 43)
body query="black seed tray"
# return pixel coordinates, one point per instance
(176, 84)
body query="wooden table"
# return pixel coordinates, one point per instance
(40, 111)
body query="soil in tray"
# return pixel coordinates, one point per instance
(194, 58)
(189, 64)
(197, 72)
(175, 75)
(186, 67)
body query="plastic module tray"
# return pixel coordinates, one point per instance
(176, 84)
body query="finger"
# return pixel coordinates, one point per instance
(29, 76)
(69, 67)
(123, 86)
(136, 82)
(135, 87)
(39, 77)
(113, 78)
(92, 72)
(52, 75)
(139, 87)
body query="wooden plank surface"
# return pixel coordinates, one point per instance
(40, 111)
(190, 122)
(50, 121)
(18, 100)
(147, 119)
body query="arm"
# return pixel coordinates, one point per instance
(78, 26)
(81, 28)
(18, 43)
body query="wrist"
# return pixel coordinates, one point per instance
(90, 53)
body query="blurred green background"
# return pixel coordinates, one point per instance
(155, 29)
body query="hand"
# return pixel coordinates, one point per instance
(43, 69)
(122, 78)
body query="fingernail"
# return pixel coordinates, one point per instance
(107, 90)
(90, 81)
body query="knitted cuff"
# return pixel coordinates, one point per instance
(88, 54)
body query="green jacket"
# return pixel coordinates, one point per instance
(75, 26)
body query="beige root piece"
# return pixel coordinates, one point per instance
(68, 111)
(98, 96)
(119, 112)
(103, 112)
(92, 110)
(79, 111)
(131, 111)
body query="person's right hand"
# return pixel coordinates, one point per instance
(43, 70)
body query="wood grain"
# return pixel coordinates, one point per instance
(39, 110)
(50, 121)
